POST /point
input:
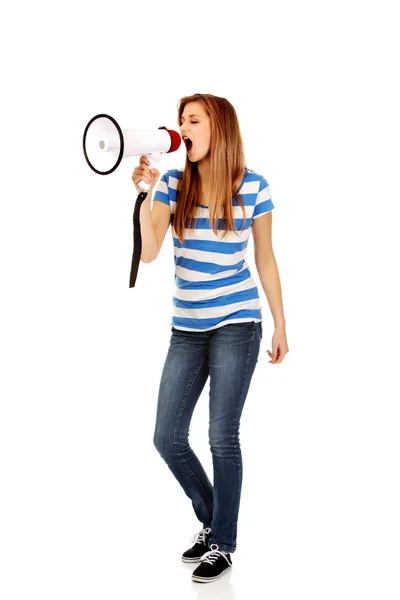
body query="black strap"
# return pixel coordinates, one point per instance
(137, 239)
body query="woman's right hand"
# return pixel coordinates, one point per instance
(144, 173)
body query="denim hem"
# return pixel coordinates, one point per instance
(223, 547)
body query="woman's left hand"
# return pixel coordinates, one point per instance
(279, 346)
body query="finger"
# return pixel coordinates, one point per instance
(146, 177)
(274, 355)
(146, 173)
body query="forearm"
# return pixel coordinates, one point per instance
(149, 242)
(270, 281)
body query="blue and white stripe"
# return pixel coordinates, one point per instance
(213, 283)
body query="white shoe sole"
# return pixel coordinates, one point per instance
(190, 560)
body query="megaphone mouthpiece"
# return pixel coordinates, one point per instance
(175, 139)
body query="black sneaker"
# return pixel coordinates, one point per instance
(213, 565)
(201, 546)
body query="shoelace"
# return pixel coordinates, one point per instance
(212, 555)
(201, 536)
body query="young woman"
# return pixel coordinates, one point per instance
(212, 204)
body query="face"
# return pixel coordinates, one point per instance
(195, 124)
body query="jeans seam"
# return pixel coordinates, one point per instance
(240, 470)
(176, 443)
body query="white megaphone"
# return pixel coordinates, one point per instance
(105, 144)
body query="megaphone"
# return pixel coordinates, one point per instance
(105, 144)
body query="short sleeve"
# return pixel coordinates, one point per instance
(161, 192)
(263, 202)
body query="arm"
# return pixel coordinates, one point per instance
(155, 221)
(267, 268)
(149, 241)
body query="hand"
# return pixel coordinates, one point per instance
(144, 173)
(279, 346)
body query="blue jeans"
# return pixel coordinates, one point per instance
(228, 354)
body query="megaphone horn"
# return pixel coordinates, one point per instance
(105, 144)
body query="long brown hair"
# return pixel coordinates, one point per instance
(227, 167)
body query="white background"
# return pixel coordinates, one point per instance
(88, 508)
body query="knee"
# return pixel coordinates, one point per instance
(161, 442)
(164, 443)
(223, 442)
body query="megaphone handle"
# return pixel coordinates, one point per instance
(154, 159)
(137, 239)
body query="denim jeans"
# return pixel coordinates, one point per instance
(228, 354)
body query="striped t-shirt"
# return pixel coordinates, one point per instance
(213, 283)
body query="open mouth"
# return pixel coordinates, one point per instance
(188, 143)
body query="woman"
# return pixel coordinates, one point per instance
(216, 320)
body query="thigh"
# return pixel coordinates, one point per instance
(233, 355)
(183, 378)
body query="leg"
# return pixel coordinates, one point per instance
(233, 357)
(183, 378)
